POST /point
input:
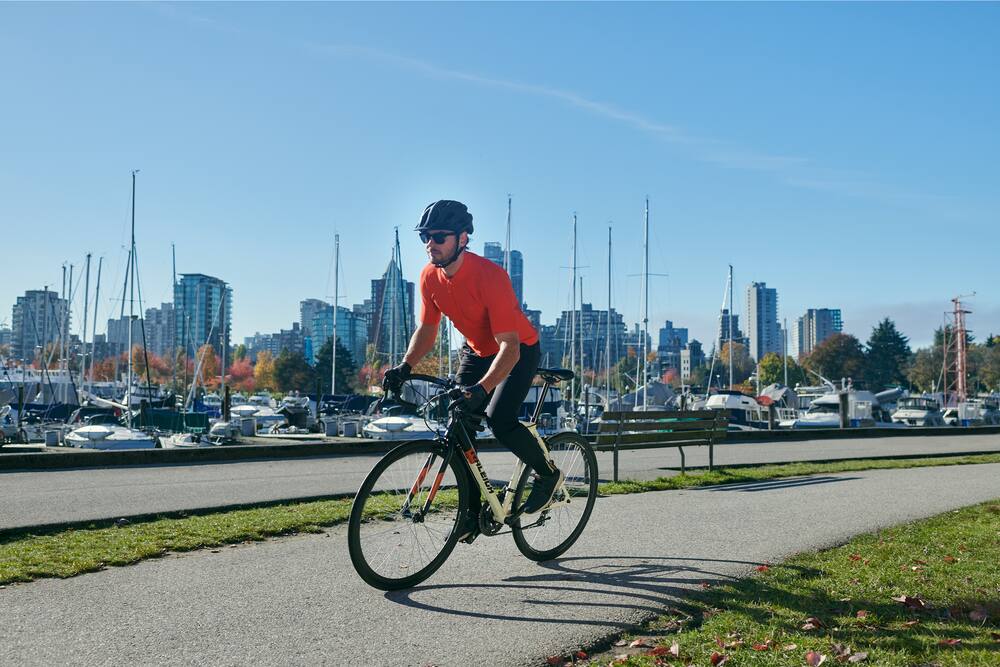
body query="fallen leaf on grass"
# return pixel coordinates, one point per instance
(763, 568)
(674, 650)
(812, 623)
(581, 655)
(909, 624)
(718, 659)
(554, 660)
(862, 613)
(641, 642)
(855, 557)
(841, 652)
(705, 584)
(814, 659)
(789, 647)
(858, 657)
(910, 602)
(621, 642)
(766, 646)
(950, 642)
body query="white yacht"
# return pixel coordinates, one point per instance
(745, 413)
(918, 411)
(105, 436)
(863, 409)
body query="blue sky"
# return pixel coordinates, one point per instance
(846, 154)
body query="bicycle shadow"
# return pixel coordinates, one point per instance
(643, 586)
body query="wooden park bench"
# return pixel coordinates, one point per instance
(653, 430)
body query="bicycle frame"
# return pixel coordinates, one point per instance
(458, 437)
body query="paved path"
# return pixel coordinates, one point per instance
(58, 496)
(298, 601)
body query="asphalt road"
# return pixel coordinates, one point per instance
(58, 496)
(298, 601)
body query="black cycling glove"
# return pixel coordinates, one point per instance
(394, 378)
(470, 399)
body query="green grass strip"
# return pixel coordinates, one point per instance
(27, 555)
(924, 593)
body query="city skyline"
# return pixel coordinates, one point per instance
(760, 142)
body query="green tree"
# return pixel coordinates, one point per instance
(888, 356)
(772, 370)
(347, 372)
(924, 371)
(839, 356)
(292, 371)
(239, 352)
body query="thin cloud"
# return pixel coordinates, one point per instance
(793, 171)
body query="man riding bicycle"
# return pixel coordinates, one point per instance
(501, 351)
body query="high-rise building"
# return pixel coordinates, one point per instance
(160, 329)
(493, 251)
(814, 327)
(203, 311)
(591, 336)
(724, 324)
(39, 317)
(762, 320)
(352, 331)
(692, 357)
(118, 334)
(307, 313)
(391, 322)
(5, 337)
(672, 340)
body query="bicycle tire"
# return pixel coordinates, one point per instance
(373, 494)
(581, 482)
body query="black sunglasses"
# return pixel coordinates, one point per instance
(437, 237)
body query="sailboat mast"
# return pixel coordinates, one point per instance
(572, 321)
(730, 326)
(173, 334)
(506, 252)
(93, 337)
(86, 306)
(336, 294)
(131, 303)
(66, 318)
(784, 347)
(607, 342)
(645, 310)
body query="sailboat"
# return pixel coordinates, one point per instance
(106, 436)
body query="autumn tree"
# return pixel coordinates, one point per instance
(263, 371)
(839, 356)
(743, 365)
(241, 375)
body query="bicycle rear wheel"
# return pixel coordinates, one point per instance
(548, 534)
(393, 543)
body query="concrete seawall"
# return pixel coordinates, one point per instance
(273, 448)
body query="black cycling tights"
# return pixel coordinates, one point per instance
(505, 402)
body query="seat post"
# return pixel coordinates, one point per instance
(541, 401)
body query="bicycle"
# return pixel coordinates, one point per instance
(406, 520)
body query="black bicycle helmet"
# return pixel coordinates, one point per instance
(448, 215)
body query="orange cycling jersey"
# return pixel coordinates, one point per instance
(480, 301)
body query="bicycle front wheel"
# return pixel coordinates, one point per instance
(396, 540)
(548, 534)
